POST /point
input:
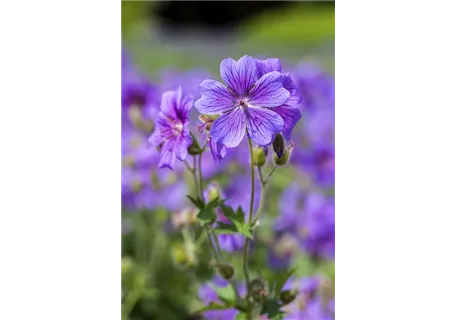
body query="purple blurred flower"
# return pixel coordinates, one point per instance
(244, 103)
(143, 186)
(308, 304)
(316, 86)
(171, 133)
(207, 294)
(288, 111)
(310, 217)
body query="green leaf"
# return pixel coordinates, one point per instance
(207, 214)
(213, 306)
(226, 294)
(281, 278)
(272, 309)
(241, 316)
(198, 202)
(238, 222)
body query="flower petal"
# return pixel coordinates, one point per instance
(268, 65)
(240, 75)
(269, 91)
(215, 98)
(169, 103)
(229, 129)
(167, 155)
(295, 96)
(218, 150)
(290, 117)
(182, 144)
(184, 105)
(262, 125)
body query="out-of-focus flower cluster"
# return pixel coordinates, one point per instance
(305, 218)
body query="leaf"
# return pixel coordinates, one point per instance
(238, 222)
(272, 309)
(241, 316)
(226, 294)
(198, 202)
(206, 214)
(213, 306)
(281, 279)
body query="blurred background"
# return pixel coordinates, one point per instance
(166, 44)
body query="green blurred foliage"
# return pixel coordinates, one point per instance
(301, 23)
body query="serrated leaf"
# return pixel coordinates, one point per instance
(238, 222)
(207, 214)
(281, 279)
(272, 309)
(198, 202)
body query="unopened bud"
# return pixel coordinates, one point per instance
(283, 160)
(225, 270)
(279, 145)
(259, 156)
(288, 296)
(194, 149)
(213, 192)
(258, 289)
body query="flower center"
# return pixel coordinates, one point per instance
(243, 103)
(177, 128)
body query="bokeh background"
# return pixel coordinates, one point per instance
(166, 44)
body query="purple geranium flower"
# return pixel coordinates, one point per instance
(244, 104)
(288, 111)
(172, 134)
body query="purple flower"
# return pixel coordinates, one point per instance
(310, 217)
(207, 294)
(172, 134)
(244, 104)
(316, 87)
(288, 111)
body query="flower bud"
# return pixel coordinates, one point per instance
(258, 289)
(288, 296)
(194, 148)
(279, 145)
(213, 192)
(283, 160)
(259, 156)
(225, 270)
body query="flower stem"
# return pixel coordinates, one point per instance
(246, 244)
(260, 206)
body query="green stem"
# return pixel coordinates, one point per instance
(270, 174)
(246, 244)
(260, 206)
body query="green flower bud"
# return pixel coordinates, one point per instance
(282, 160)
(225, 270)
(258, 289)
(194, 149)
(213, 191)
(259, 156)
(279, 145)
(288, 296)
